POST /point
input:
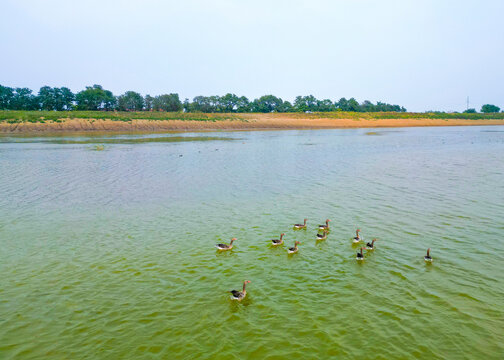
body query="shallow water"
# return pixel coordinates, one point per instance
(109, 254)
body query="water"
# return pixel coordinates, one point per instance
(109, 253)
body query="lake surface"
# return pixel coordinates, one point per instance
(108, 252)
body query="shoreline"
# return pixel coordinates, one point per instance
(254, 122)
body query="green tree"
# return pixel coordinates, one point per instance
(242, 104)
(325, 105)
(65, 99)
(353, 105)
(305, 103)
(488, 108)
(186, 105)
(228, 103)
(266, 104)
(95, 98)
(23, 99)
(368, 106)
(130, 101)
(342, 104)
(202, 104)
(470, 111)
(55, 98)
(284, 107)
(46, 98)
(167, 102)
(149, 100)
(6, 96)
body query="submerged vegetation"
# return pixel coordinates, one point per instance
(99, 142)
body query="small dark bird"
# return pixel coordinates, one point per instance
(324, 227)
(224, 247)
(360, 255)
(276, 242)
(322, 236)
(240, 295)
(294, 249)
(427, 257)
(300, 226)
(370, 246)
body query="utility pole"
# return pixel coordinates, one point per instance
(467, 108)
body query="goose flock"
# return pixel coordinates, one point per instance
(324, 228)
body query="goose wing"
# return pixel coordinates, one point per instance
(236, 293)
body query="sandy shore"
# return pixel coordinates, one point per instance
(249, 122)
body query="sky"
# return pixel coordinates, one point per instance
(421, 54)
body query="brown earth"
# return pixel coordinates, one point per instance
(250, 122)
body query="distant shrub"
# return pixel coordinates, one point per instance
(488, 108)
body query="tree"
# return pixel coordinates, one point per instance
(148, 102)
(488, 108)
(266, 104)
(202, 104)
(95, 98)
(342, 104)
(284, 107)
(130, 101)
(242, 104)
(6, 96)
(186, 105)
(367, 106)
(306, 103)
(46, 98)
(58, 99)
(23, 99)
(64, 99)
(353, 105)
(167, 102)
(470, 111)
(325, 105)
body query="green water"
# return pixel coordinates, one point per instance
(109, 254)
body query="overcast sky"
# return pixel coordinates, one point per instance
(422, 54)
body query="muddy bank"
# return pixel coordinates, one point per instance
(249, 122)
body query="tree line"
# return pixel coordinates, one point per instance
(97, 98)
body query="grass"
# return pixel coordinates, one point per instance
(396, 115)
(59, 116)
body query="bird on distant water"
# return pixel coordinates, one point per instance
(294, 249)
(224, 247)
(370, 246)
(427, 257)
(239, 295)
(360, 255)
(300, 226)
(357, 238)
(276, 242)
(322, 236)
(324, 227)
